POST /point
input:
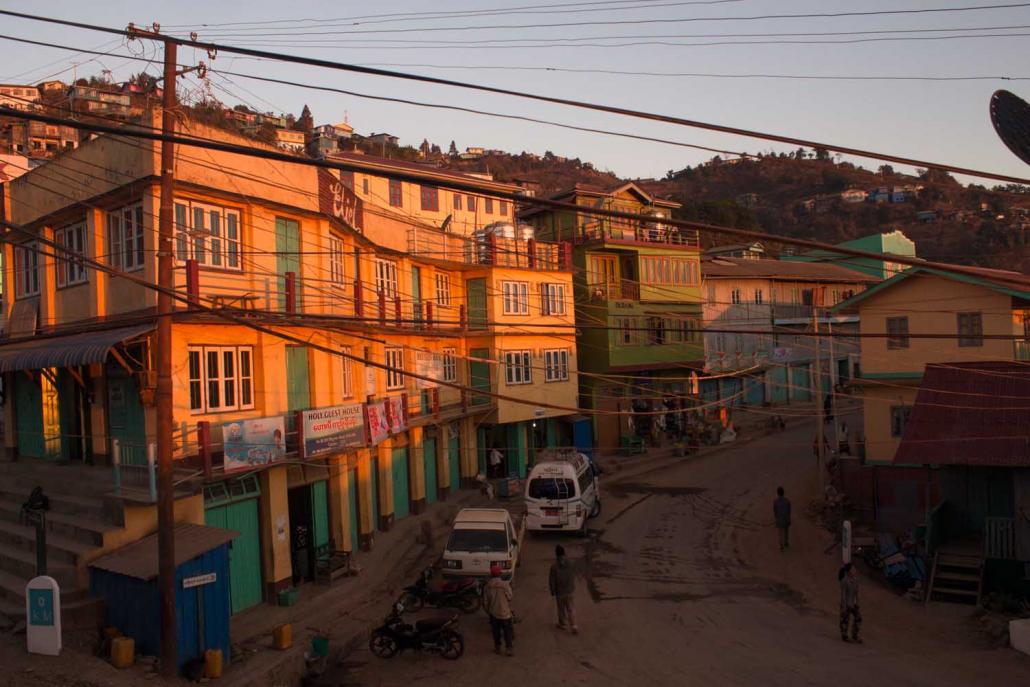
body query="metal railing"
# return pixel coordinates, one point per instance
(639, 231)
(624, 290)
(999, 538)
(490, 249)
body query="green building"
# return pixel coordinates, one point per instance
(893, 243)
(637, 286)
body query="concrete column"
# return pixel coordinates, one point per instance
(443, 461)
(339, 500)
(469, 462)
(97, 413)
(384, 480)
(47, 282)
(96, 249)
(274, 513)
(366, 528)
(416, 470)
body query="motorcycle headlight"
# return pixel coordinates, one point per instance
(452, 564)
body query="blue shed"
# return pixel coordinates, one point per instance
(127, 582)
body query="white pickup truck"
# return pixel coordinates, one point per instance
(481, 537)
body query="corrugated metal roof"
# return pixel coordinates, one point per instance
(743, 268)
(66, 351)
(970, 414)
(139, 559)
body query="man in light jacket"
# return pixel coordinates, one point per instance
(562, 581)
(497, 604)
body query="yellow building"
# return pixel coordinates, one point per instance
(322, 424)
(931, 316)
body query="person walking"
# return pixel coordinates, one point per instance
(849, 613)
(497, 604)
(562, 581)
(844, 445)
(781, 513)
(496, 458)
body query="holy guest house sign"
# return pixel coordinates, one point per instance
(337, 200)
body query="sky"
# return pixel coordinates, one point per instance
(940, 121)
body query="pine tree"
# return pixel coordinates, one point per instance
(305, 122)
(453, 150)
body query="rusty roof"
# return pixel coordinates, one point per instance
(139, 559)
(970, 414)
(744, 268)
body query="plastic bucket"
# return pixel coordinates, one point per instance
(320, 646)
(282, 636)
(213, 663)
(123, 652)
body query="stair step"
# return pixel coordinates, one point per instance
(12, 591)
(76, 527)
(937, 589)
(959, 560)
(59, 548)
(69, 504)
(958, 577)
(23, 564)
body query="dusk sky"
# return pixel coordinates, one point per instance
(944, 121)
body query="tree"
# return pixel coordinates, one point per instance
(453, 150)
(424, 149)
(822, 154)
(305, 122)
(800, 154)
(886, 170)
(146, 82)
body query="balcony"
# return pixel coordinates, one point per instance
(638, 232)
(625, 290)
(485, 250)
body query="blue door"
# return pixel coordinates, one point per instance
(731, 391)
(429, 465)
(778, 384)
(401, 499)
(755, 390)
(801, 383)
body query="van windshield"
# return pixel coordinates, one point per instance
(552, 488)
(477, 540)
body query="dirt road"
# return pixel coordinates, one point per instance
(683, 583)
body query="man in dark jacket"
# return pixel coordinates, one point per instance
(781, 512)
(849, 613)
(562, 582)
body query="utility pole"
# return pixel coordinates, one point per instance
(832, 372)
(163, 356)
(817, 382)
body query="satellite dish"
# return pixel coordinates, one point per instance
(1010, 115)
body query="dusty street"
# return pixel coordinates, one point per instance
(682, 582)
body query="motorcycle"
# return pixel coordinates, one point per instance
(435, 635)
(462, 593)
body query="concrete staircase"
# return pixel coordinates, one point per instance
(80, 518)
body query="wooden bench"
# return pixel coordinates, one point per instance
(331, 563)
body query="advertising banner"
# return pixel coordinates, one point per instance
(428, 365)
(378, 428)
(251, 443)
(335, 429)
(395, 414)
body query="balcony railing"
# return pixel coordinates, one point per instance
(485, 250)
(626, 290)
(638, 232)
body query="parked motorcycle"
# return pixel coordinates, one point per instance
(435, 635)
(461, 593)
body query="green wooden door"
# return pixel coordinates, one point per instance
(454, 456)
(287, 259)
(125, 417)
(319, 513)
(298, 383)
(778, 384)
(475, 296)
(244, 552)
(401, 499)
(479, 374)
(800, 383)
(429, 461)
(416, 294)
(352, 504)
(28, 411)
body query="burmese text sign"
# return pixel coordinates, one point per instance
(331, 430)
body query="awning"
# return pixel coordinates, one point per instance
(66, 351)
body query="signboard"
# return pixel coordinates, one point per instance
(395, 414)
(336, 200)
(370, 380)
(331, 430)
(378, 428)
(43, 616)
(781, 353)
(252, 443)
(199, 580)
(428, 365)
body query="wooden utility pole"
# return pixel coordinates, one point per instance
(163, 356)
(817, 382)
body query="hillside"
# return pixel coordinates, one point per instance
(799, 196)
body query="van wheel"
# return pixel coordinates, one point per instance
(596, 510)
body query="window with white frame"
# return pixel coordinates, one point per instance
(556, 365)
(552, 299)
(516, 297)
(26, 270)
(336, 261)
(347, 379)
(209, 234)
(450, 365)
(395, 368)
(735, 296)
(125, 237)
(758, 297)
(386, 278)
(518, 367)
(221, 378)
(71, 270)
(443, 289)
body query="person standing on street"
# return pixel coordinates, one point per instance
(845, 445)
(497, 604)
(496, 458)
(849, 613)
(562, 581)
(781, 512)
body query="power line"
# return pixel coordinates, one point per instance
(541, 98)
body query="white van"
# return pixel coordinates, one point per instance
(481, 537)
(562, 492)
